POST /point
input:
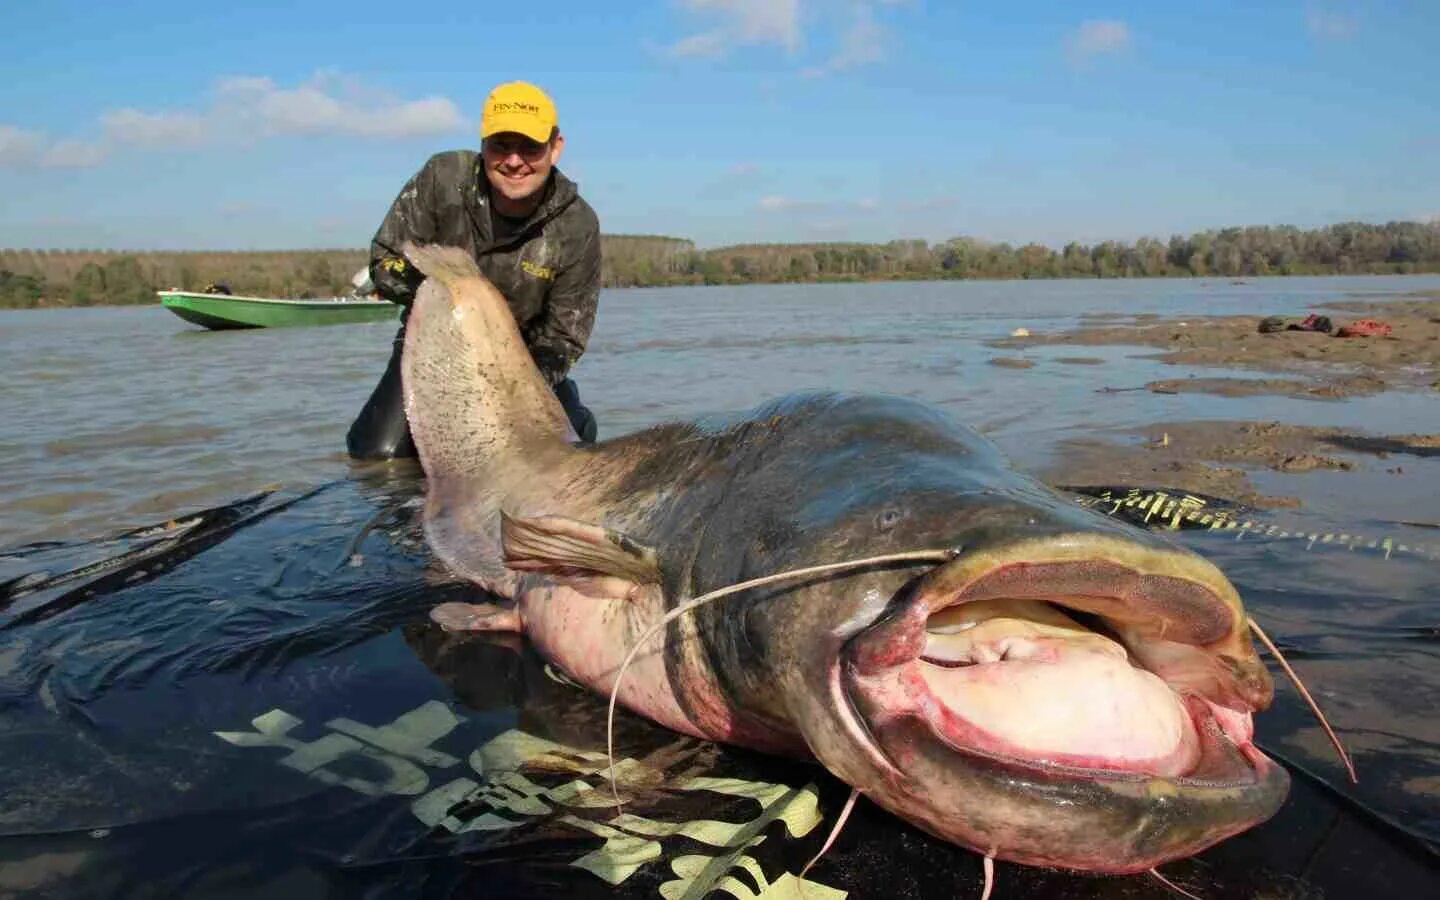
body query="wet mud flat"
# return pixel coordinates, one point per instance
(1320, 364)
(1219, 458)
(1223, 457)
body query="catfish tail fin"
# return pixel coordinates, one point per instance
(448, 265)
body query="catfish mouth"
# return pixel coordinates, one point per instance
(1084, 661)
(1043, 685)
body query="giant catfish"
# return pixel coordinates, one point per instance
(1067, 691)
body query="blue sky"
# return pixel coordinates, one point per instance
(182, 125)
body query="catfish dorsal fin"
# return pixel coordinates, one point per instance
(558, 544)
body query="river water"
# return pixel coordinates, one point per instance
(254, 705)
(119, 416)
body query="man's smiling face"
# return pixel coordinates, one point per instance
(517, 168)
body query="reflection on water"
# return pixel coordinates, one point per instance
(247, 700)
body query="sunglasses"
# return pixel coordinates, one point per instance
(503, 147)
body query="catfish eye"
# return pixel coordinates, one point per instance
(889, 518)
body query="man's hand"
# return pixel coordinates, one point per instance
(396, 280)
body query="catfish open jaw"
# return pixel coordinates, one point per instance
(1074, 660)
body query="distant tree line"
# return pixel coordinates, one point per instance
(1344, 249)
(106, 277)
(93, 277)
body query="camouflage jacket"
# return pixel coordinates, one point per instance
(549, 270)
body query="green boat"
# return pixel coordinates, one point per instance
(225, 311)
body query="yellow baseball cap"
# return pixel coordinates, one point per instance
(521, 107)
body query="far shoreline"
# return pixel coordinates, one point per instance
(1219, 279)
(122, 277)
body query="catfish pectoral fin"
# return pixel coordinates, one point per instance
(560, 545)
(476, 617)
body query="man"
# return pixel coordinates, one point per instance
(531, 234)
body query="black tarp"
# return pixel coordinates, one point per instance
(251, 702)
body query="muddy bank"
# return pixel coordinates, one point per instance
(1012, 362)
(1216, 457)
(1322, 365)
(1328, 389)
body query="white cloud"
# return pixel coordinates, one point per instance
(241, 208)
(779, 203)
(708, 45)
(431, 115)
(244, 84)
(851, 29)
(19, 147)
(863, 42)
(22, 149)
(328, 105)
(134, 128)
(1330, 25)
(70, 154)
(742, 22)
(1098, 37)
(929, 204)
(242, 108)
(840, 214)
